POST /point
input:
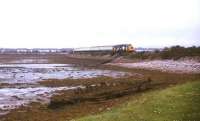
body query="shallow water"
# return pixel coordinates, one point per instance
(29, 61)
(32, 73)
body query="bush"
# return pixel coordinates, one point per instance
(175, 52)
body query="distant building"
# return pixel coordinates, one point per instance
(34, 50)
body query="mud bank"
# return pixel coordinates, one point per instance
(164, 65)
(11, 98)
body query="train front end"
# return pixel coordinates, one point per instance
(130, 48)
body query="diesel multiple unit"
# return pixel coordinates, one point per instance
(114, 49)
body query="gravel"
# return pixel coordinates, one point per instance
(179, 66)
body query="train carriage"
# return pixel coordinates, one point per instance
(114, 49)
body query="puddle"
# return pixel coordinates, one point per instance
(31, 73)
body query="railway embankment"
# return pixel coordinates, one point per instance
(175, 59)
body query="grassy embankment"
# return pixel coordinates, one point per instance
(178, 103)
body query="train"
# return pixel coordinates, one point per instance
(112, 49)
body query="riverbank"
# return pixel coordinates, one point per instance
(101, 94)
(97, 94)
(178, 103)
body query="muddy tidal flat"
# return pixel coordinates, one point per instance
(19, 82)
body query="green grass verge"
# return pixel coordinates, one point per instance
(178, 103)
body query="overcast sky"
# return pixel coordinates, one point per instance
(79, 23)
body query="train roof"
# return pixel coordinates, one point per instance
(122, 45)
(105, 46)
